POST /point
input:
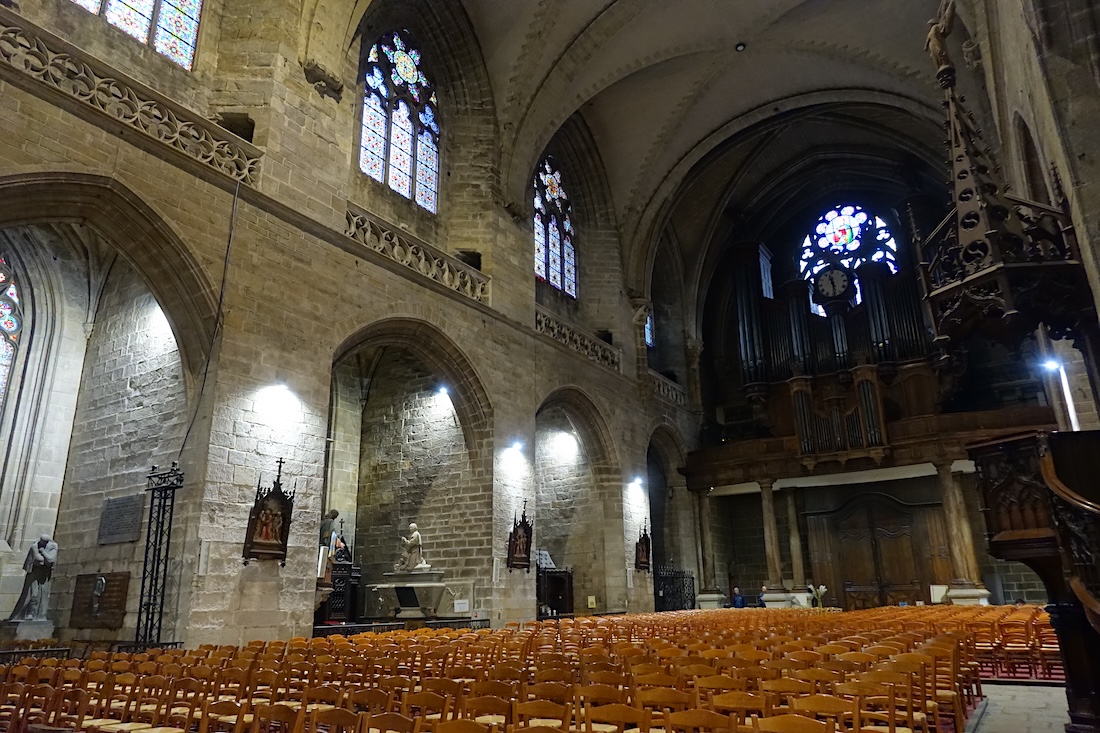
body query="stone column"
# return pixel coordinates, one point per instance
(966, 586)
(709, 596)
(771, 534)
(798, 568)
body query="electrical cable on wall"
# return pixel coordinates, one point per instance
(219, 314)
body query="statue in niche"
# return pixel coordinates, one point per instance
(35, 598)
(412, 552)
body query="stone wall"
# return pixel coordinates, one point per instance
(569, 522)
(131, 414)
(415, 467)
(297, 289)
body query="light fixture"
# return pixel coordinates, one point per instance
(1053, 365)
(442, 390)
(517, 446)
(739, 47)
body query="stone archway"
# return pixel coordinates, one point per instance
(118, 324)
(410, 441)
(579, 499)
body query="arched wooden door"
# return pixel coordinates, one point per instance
(875, 550)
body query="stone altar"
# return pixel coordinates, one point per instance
(411, 594)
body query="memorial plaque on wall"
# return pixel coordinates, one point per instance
(120, 519)
(99, 601)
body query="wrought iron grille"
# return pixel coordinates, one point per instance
(673, 590)
(162, 487)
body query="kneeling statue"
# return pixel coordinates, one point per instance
(412, 552)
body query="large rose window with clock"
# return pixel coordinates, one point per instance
(844, 238)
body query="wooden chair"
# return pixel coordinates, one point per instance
(333, 720)
(430, 707)
(463, 726)
(843, 713)
(224, 715)
(698, 719)
(391, 723)
(534, 713)
(277, 718)
(370, 700)
(790, 724)
(615, 718)
(782, 691)
(742, 705)
(663, 700)
(877, 706)
(488, 710)
(70, 708)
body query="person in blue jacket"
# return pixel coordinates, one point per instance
(737, 600)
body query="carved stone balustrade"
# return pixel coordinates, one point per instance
(416, 255)
(578, 340)
(37, 60)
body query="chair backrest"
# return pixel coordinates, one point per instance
(829, 707)
(616, 714)
(333, 720)
(790, 724)
(523, 712)
(277, 718)
(551, 691)
(425, 703)
(392, 723)
(663, 698)
(702, 720)
(462, 726)
(370, 700)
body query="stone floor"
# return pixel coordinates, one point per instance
(1020, 709)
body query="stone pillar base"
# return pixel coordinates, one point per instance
(976, 596)
(26, 630)
(780, 600)
(711, 600)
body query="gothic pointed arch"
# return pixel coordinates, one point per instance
(443, 356)
(140, 235)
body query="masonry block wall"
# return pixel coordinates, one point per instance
(297, 288)
(744, 543)
(570, 516)
(131, 414)
(414, 467)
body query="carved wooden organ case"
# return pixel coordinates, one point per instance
(831, 380)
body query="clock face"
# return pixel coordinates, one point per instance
(832, 282)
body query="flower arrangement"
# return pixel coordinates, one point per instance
(819, 595)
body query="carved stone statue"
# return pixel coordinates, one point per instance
(38, 566)
(412, 552)
(939, 29)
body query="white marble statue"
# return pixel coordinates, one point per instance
(34, 600)
(412, 552)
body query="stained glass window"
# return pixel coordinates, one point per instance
(555, 250)
(400, 139)
(11, 325)
(174, 34)
(650, 339)
(847, 236)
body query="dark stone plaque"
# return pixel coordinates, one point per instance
(120, 519)
(99, 601)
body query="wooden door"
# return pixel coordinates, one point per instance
(875, 550)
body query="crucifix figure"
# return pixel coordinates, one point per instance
(939, 29)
